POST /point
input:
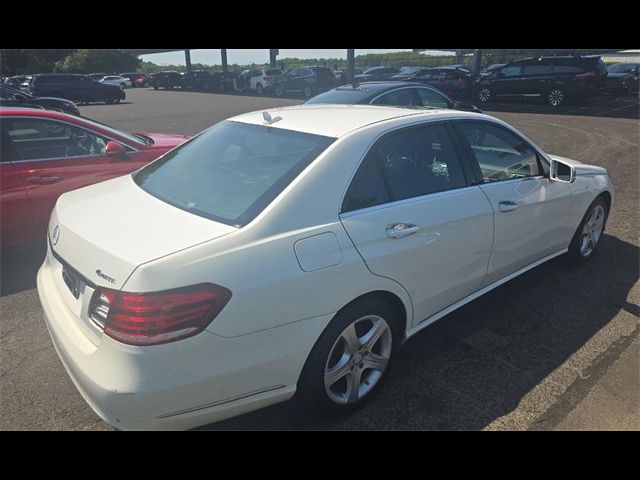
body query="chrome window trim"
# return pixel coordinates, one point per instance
(126, 145)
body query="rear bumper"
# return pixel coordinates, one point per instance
(179, 385)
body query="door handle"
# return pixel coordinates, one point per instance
(507, 206)
(400, 230)
(44, 179)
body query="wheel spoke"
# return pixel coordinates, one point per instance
(351, 339)
(376, 362)
(341, 369)
(353, 385)
(373, 335)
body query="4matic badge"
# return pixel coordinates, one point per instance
(105, 276)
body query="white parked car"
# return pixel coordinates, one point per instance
(122, 82)
(279, 251)
(260, 80)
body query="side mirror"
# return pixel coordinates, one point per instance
(114, 149)
(562, 172)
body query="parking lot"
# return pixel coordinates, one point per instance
(556, 348)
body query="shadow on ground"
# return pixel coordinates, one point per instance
(475, 365)
(18, 269)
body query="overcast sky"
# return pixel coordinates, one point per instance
(246, 56)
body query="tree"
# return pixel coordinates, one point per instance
(17, 61)
(97, 60)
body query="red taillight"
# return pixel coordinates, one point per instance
(158, 317)
(267, 79)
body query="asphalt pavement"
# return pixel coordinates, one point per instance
(556, 348)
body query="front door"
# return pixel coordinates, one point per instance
(414, 218)
(530, 211)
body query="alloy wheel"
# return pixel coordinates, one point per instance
(556, 97)
(484, 94)
(592, 231)
(358, 359)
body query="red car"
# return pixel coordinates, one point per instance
(45, 153)
(142, 81)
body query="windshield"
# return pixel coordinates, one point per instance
(232, 171)
(622, 67)
(341, 96)
(410, 70)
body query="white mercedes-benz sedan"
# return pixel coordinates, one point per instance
(293, 251)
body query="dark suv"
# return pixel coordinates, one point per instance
(168, 80)
(197, 80)
(308, 80)
(556, 79)
(79, 88)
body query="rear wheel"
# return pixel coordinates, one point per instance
(279, 90)
(589, 232)
(556, 97)
(351, 358)
(259, 89)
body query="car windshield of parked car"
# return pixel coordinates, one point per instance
(623, 68)
(232, 171)
(341, 96)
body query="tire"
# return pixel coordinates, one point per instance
(110, 100)
(585, 241)
(155, 87)
(556, 97)
(307, 92)
(279, 90)
(348, 361)
(484, 95)
(123, 85)
(259, 89)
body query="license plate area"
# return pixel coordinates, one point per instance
(72, 281)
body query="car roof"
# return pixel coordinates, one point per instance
(379, 86)
(344, 118)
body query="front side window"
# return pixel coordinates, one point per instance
(510, 71)
(411, 163)
(501, 154)
(232, 171)
(39, 139)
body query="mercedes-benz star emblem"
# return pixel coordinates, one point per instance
(56, 235)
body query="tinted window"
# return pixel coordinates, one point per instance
(232, 171)
(340, 96)
(501, 154)
(623, 67)
(567, 66)
(405, 97)
(511, 71)
(412, 163)
(273, 72)
(431, 98)
(537, 70)
(39, 138)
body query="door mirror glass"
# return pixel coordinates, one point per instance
(562, 172)
(114, 149)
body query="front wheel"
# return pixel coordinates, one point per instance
(484, 95)
(351, 358)
(259, 89)
(279, 90)
(110, 100)
(556, 97)
(587, 236)
(307, 92)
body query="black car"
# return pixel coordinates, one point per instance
(454, 81)
(376, 74)
(396, 94)
(308, 80)
(15, 82)
(79, 88)
(555, 79)
(167, 80)
(10, 97)
(197, 80)
(485, 72)
(623, 78)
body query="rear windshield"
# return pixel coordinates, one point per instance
(273, 72)
(623, 67)
(232, 171)
(340, 96)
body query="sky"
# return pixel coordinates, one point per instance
(246, 56)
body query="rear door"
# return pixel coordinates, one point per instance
(506, 81)
(414, 217)
(530, 211)
(537, 77)
(53, 157)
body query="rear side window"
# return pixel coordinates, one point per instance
(411, 163)
(232, 171)
(404, 97)
(431, 98)
(536, 70)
